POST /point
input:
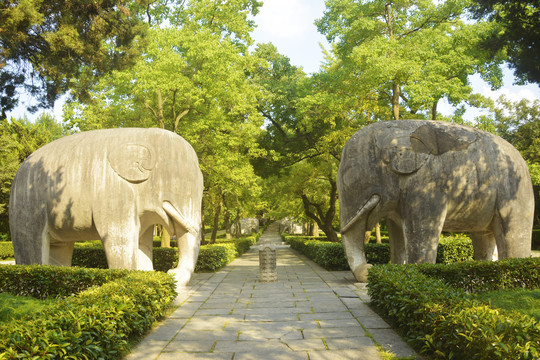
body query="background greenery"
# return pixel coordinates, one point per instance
(268, 135)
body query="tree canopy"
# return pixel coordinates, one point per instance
(516, 31)
(45, 45)
(268, 136)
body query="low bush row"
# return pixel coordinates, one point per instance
(42, 282)
(96, 323)
(6, 250)
(482, 276)
(211, 257)
(331, 256)
(536, 239)
(445, 322)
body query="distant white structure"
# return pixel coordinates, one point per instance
(287, 225)
(248, 226)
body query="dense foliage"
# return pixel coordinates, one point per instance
(443, 321)
(45, 45)
(331, 256)
(96, 323)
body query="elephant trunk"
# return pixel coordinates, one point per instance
(353, 239)
(178, 218)
(362, 214)
(189, 241)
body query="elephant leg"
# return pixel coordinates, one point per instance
(512, 235)
(422, 228)
(144, 253)
(484, 245)
(120, 238)
(188, 251)
(353, 244)
(30, 237)
(398, 248)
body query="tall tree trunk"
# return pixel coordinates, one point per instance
(203, 236)
(160, 109)
(434, 110)
(165, 238)
(323, 220)
(227, 221)
(396, 93)
(314, 229)
(217, 212)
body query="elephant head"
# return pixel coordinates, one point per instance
(376, 164)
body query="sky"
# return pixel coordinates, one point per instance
(289, 25)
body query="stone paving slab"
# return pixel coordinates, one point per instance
(309, 313)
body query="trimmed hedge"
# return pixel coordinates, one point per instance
(536, 239)
(445, 322)
(331, 256)
(215, 256)
(482, 276)
(456, 248)
(43, 281)
(6, 250)
(95, 324)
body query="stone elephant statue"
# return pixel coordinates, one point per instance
(112, 185)
(428, 176)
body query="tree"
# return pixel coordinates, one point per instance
(307, 124)
(406, 55)
(519, 123)
(18, 139)
(517, 32)
(45, 44)
(191, 79)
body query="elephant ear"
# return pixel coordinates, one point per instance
(406, 153)
(403, 160)
(437, 140)
(132, 162)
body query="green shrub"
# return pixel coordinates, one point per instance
(455, 248)
(536, 239)
(481, 276)
(42, 281)
(451, 249)
(215, 256)
(445, 322)
(377, 253)
(165, 258)
(89, 256)
(95, 324)
(6, 250)
(243, 244)
(92, 255)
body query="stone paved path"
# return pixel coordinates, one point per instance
(309, 313)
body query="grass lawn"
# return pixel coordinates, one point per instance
(12, 306)
(522, 300)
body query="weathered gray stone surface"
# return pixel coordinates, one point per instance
(288, 225)
(267, 263)
(428, 176)
(248, 226)
(111, 185)
(301, 316)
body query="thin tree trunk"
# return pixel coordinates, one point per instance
(165, 238)
(203, 237)
(228, 224)
(396, 92)
(367, 236)
(434, 110)
(314, 229)
(217, 212)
